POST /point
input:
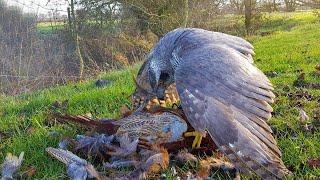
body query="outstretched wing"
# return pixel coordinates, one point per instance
(224, 93)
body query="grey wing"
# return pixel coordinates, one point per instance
(223, 93)
(196, 37)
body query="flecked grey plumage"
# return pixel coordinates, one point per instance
(221, 91)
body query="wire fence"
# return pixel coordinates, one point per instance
(34, 55)
(35, 77)
(55, 5)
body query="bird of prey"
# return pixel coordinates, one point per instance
(221, 92)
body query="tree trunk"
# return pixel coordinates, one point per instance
(248, 15)
(76, 38)
(274, 6)
(186, 13)
(73, 16)
(69, 20)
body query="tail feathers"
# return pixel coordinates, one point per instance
(106, 127)
(84, 120)
(272, 170)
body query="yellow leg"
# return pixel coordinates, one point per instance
(197, 138)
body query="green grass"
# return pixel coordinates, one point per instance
(284, 21)
(287, 53)
(18, 114)
(48, 28)
(287, 50)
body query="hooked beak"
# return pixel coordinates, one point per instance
(144, 91)
(146, 94)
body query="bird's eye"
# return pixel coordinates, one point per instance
(164, 76)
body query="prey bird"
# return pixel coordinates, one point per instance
(221, 92)
(164, 126)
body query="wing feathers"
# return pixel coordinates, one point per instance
(264, 135)
(245, 163)
(223, 92)
(260, 129)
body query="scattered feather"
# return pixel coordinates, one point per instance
(64, 144)
(53, 134)
(30, 172)
(121, 164)
(93, 146)
(11, 165)
(77, 168)
(303, 117)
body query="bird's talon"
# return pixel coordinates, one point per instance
(199, 141)
(197, 138)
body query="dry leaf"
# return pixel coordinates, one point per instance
(315, 163)
(31, 171)
(317, 67)
(89, 115)
(30, 130)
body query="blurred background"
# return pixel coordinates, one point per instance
(45, 43)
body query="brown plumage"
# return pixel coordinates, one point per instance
(113, 126)
(166, 126)
(109, 126)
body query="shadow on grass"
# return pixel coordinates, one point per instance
(272, 25)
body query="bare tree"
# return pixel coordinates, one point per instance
(270, 5)
(238, 5)
(309, 3)
(290, 5)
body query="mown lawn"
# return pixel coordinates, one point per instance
(283, 54)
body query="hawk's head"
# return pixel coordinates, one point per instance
(157, 72)
(149, 85)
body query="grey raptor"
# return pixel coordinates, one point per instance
(221, 92)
